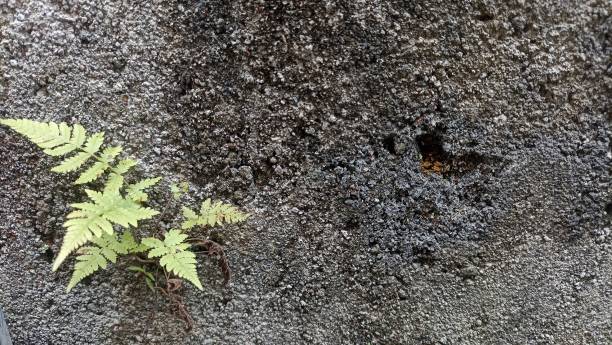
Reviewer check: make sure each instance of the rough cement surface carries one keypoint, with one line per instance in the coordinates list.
(322, 119)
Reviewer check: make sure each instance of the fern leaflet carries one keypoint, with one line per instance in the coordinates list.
(73, 163)
(98, 168)
(178, 190)
(174, 255)
(123, 166)
(212, 214)
(135, 190)
(133, 247)
(92, 258)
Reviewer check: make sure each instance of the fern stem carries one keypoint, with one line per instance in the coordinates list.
(144, 261)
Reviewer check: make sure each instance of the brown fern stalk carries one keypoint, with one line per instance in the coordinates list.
(213, 248)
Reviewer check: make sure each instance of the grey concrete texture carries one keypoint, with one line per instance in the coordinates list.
(323, 119)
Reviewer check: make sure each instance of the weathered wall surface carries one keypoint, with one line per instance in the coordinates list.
(419, 172)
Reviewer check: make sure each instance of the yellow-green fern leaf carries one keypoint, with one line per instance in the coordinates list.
(212, 214)
(45, 135)
(92, 173)
(55, 139)
(135, 190)
(113, 184)
(98, 168)
(93, 219)
(123, 166)
(174, 255)
(111, 243)
(110, 153)
(183, 264)
(36, 132)
(75, 162)
(76, 141)
(59, 134)
(91, 259)
(191, 218)
(94, 143)
(128, 213)
(87, 263)
(178, 190)
(72, 163)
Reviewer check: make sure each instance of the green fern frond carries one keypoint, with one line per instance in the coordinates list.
(93, 219)
(87, 263)
(98, 168)
(76, 141)
(135, 191)
(110, 153)
(110, 246)
(55, 139)
(61, 139)
(92, 173)
(113, 184)
(72, 163)
(75, 162)
(115, 179)
(92, 258)
(94, 143)
(174, 255)
(213, 214)
(123, 166)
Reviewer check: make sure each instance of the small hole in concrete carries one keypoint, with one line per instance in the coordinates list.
(389, 143)
(433, 157)
(485, 15)
(48, 255)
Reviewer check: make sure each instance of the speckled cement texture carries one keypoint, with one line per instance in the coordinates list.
(419, 172)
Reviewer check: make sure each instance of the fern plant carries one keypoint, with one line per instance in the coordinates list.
(99, 228)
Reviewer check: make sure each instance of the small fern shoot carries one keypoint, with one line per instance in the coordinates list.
(212, 214)
(173, 253)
